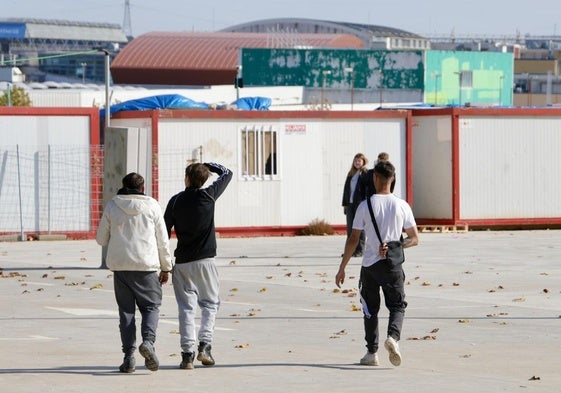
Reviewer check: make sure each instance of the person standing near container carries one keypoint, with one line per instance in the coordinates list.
(133, 229)
(353, 194)
(195, 277)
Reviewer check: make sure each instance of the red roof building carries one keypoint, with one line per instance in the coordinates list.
(203, 59)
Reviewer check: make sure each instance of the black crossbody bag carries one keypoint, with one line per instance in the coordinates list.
(395, 255)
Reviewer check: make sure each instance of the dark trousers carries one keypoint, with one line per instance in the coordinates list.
(391, 282)
(142, 289)
(350, 212)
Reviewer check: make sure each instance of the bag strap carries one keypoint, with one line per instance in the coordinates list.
(374, 219)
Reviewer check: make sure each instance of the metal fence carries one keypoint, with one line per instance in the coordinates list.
(50, 189)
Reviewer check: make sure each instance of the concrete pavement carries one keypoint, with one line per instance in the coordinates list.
(484, 315)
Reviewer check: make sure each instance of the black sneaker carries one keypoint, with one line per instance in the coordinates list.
(151, 362)
(204, 356)
(128, 365)
(187, 360)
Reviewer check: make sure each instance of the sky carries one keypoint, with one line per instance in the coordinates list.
(426, 18)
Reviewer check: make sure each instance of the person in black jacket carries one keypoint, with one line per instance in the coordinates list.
(195, 277)
(353, 194)
(368, 182)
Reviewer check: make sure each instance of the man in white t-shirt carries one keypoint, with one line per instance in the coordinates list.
(393, 215)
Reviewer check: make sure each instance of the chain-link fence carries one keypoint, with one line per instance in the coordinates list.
(50, 189)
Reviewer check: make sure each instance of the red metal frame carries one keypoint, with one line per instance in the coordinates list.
(95, 185)
(456, 114)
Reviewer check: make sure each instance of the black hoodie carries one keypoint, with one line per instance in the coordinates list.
(191, 214)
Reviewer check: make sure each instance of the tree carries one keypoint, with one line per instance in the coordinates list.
(18, 97)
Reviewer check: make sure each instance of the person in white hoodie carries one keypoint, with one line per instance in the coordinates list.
(133, 229)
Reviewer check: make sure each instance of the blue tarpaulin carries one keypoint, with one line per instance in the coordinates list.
(166, 101)
(253, 103)
(177, 101)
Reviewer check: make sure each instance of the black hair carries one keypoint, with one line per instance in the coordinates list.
(133, 181)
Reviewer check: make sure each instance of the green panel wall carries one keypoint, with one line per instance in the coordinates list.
(316, 68)
(491, 83)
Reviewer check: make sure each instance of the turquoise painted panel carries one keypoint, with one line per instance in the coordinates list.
(329, 68)
(492, 78)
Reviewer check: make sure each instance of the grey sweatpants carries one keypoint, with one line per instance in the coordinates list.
(142, 289)
(196, 284)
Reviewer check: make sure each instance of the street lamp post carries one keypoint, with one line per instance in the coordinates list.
(350, 70)
(381, 87)
(501, 83)
(238, 79)
(459, 87)
(84, 65)
(107, 77)
(323, 84)
(436, 75)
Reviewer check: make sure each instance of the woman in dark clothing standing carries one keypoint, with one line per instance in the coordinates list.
(353, 194)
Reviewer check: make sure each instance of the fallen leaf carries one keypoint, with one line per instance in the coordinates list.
(263, 290)
(288, 274)
(463, 320)
(545, 290)
(354, 307)
(97, 286)
(435, 330)
(242, 346)
(60, 278)
(426, 284)
(268, 277)
(534, 378)
(45, 275)
(519, 299)
(232, 263)
(456, 284)
(234, 290)
(336, 290)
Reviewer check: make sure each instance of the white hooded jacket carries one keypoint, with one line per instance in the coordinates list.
(133, 229)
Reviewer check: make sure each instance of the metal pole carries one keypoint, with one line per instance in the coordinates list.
(49, 189)
(381, 87)
(107, 103)
(22, 235)
(9, 93)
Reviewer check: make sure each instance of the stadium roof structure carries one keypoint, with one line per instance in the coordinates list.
(204, 59)
(367, 33)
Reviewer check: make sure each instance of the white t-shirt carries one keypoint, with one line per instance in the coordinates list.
(392, 216)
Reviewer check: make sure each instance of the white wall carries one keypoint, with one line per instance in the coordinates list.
(313, 163)
(509, 167)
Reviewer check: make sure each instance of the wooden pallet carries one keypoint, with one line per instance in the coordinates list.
(442, 228)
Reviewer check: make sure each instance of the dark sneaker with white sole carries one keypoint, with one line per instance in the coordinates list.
(128, 365)
(147, 351)
(204, 356)
(187, 360)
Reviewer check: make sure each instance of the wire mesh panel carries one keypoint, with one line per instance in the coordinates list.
(49, 188)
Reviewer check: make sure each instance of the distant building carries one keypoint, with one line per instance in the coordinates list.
(40, 47)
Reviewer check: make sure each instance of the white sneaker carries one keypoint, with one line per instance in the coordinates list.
(370, 359)
(393, 348)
